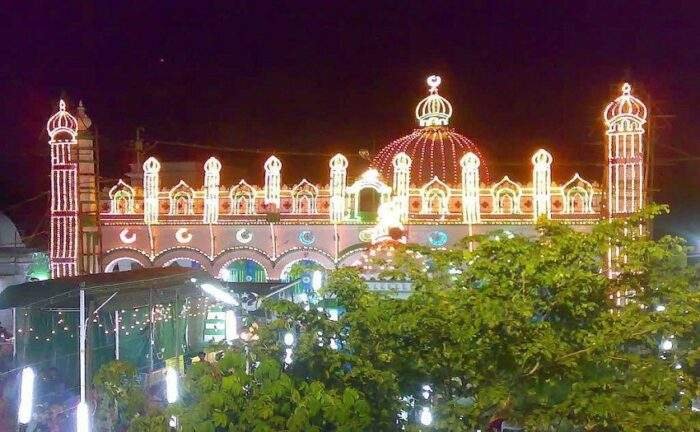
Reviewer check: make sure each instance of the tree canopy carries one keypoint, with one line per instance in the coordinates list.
(527, 330)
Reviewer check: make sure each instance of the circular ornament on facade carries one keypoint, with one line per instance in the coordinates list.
(366, 235)
(307, 238)
(244, 236)
(126, 236)
(437, 238)
(183, 236)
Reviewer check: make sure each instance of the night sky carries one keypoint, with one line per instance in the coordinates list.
(343, 76)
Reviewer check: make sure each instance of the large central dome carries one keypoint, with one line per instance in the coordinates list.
(434, 148)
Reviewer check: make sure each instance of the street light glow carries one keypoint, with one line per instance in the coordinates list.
(24, 413)
(316, 280)
(219, 294)
(426, 417)
(171, 391)
(82, 417)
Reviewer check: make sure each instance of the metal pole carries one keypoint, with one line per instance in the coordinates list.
(116, 334)
(83, 332)
(176, 317)
(14, 335)
(152, 325)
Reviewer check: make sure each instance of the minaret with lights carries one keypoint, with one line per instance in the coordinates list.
(88, 210)
(625, 118)
(74, 245)
(65, 229)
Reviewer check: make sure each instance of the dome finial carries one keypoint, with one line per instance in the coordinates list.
(434, 82)
(62, 123)
(434, 110)
(625, 106)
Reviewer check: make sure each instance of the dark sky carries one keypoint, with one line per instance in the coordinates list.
(345, 75)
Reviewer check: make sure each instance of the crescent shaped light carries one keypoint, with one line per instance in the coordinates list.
(244, 236)
(183, 236)
(126, 236)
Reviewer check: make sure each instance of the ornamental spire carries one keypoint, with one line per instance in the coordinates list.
(434, 110)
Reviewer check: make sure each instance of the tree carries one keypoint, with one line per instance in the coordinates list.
(500, 327)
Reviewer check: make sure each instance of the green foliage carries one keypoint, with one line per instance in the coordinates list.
(500, 326)
(300, 268)
(223, 397)
(116, 382)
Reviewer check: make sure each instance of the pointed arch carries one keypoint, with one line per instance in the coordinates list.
(181, 199)
(121, 197)
(242, 197)
(578, 195)
(506, 196)
(304, 197)
(435, 196)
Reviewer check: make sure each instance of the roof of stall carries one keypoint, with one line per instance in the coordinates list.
(126, 289)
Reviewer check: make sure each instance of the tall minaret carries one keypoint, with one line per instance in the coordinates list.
(88, 211)
(65, 228)
(625, 118)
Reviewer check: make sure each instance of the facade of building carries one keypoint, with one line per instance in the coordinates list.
(431, 187)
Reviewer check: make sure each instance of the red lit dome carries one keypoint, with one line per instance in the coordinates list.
(435, 149)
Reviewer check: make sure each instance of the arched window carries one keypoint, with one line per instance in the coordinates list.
(366, 195)
(242, 198)
(121, 198)
(578, 196)
(304, 198)
(243, 270)
(435, 196)
(506, 197)
(182, 199)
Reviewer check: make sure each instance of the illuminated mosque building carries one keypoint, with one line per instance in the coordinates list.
(431, 187)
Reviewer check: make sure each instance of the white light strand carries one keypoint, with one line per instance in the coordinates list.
(542, 184)
(338, 165)
(151, 189)
(273, 167)
(402, 180)
(471, 212)
(212, 179)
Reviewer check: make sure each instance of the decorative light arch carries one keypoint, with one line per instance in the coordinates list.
(368, 180)
(506, 189)
(242, 198)
(121, 198)
(131, 254)
(304, 193)
(434, 190)
(168, 256)
(114, 265)
(181, 199)
(242, 253)
(577, 190)
(291, 256)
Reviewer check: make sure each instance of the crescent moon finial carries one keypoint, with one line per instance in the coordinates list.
(434, 82)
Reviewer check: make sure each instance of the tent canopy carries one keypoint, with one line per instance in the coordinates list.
(134, 287)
